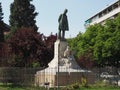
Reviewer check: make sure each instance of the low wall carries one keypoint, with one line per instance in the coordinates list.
(63, 78)
(18, 76)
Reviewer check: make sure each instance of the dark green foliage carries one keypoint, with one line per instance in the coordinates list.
(22, 15)
(1, 25)
(1, 14)
(1, 32)
(1, 36)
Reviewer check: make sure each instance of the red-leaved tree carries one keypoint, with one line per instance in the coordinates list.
(5, 54)
(86, 61)
(49, 41)
(29, 48)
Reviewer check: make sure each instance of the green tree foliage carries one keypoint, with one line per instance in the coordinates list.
(74, 44)
(1, 25)
(99, 45)
(22, 15)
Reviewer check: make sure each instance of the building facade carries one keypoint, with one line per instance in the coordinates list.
(109, 12)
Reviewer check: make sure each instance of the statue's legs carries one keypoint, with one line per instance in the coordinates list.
(59, 34)
(63, 35)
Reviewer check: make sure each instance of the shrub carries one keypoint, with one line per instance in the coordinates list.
(84, 81)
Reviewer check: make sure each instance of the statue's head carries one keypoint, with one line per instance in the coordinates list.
(65, 11)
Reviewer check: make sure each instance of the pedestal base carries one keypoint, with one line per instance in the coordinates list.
(64, 77)
(62, 70)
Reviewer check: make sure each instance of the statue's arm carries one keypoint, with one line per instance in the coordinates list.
(59, 18)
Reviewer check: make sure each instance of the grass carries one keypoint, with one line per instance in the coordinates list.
(81, 88)
(100, 88)
(19, 88)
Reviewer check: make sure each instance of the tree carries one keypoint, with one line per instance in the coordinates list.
(28, 49)
(1, 25)
(100, 43)
(22, 15)
(1, 14)
(5, 54)
(86, 60)
(49, 41)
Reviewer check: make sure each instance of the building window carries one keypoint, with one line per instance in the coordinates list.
(100, 15)
(115, 5)
(109, 9)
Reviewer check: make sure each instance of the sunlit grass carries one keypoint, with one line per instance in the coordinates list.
(3, 87)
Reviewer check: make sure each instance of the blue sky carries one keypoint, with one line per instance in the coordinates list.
(49, 11)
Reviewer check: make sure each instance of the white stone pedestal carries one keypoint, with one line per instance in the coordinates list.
(62, 70)
(65, 62)
(59, 48)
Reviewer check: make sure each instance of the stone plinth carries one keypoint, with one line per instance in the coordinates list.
(64, 77)
(60, 50)
(62, 70)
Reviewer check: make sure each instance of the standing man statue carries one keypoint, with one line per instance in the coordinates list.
(63, 25)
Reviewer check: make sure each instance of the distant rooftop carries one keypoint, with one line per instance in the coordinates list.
(107, 6)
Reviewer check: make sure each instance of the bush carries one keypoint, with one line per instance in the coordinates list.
(84, 81)
(74, 86)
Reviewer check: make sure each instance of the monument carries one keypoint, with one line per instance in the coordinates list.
(63, 25)
(63, 69)
(63, 56)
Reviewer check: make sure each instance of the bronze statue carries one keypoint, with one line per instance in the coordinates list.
(63, 25)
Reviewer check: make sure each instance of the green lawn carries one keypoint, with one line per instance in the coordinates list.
(18, 88)
(82, 88)
(101, 88)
